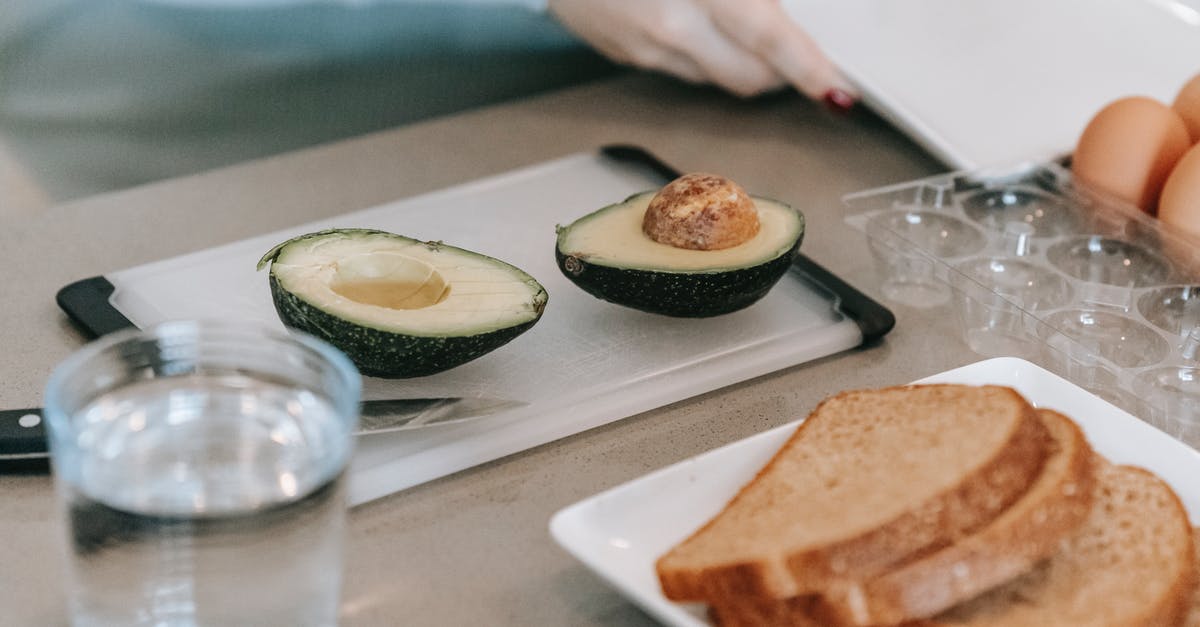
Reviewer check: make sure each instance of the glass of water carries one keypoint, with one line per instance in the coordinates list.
(200, 467)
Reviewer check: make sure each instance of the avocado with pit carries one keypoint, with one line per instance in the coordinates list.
(623, 255)
(400, 307)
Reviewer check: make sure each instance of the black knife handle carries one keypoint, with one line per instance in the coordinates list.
(22, 434)
(86, 302)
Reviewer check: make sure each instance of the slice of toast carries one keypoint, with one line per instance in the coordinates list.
(869, 480)
(1030, 530)
(1027, 532)
(1131, 563)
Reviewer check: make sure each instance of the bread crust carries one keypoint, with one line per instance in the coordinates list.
(1193, 612)
(985, 490)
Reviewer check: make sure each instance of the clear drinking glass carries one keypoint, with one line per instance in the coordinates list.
(199, 467)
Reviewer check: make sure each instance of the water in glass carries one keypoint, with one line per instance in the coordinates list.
(206, 500)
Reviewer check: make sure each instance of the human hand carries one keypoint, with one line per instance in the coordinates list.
(745, 46)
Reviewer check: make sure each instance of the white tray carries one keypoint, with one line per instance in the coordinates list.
(584, 364)
(621, 532)
(992, 83)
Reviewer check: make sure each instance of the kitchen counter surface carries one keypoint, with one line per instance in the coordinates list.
(473, 548)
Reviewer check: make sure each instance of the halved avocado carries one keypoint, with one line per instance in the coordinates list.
(399, 307)
(607, 254)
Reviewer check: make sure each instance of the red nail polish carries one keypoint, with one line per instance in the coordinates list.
(839, 101)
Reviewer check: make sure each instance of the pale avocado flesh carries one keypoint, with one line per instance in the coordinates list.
(607, 255)
(613, 237)
(397, 306)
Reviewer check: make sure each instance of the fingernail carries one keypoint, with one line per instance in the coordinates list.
(839, 101)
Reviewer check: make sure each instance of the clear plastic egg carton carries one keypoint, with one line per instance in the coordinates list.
(1034, 266)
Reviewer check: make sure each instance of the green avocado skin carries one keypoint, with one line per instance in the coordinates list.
(383, 354)
(678, 294)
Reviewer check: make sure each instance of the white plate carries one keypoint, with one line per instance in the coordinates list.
(621, 532)
(996, 83)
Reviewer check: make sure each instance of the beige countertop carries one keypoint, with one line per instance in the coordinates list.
(473, 548)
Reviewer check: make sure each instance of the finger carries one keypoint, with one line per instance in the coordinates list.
(726, 63)
(653, 56)
(640, 43)
(765, 29)
(681, 40)
(682, 66)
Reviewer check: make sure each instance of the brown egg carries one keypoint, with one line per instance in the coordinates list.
(701, 212)
(1129, 148)
(1179, 206)
(1187, 105)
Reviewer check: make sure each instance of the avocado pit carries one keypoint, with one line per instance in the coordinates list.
(701, 211)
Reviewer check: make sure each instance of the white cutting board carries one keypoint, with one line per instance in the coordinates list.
(585, 363)
(986, 83)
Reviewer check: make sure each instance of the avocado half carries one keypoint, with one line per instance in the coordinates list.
(399, 307)
(607, 254)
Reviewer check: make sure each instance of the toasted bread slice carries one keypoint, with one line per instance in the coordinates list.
(1131, 563)
(1193, 615)
(871, 479)
(1030, 530)
(751, 612)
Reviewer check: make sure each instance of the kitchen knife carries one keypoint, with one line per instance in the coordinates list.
(23, 435)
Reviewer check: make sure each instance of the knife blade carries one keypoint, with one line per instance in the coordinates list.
(23, 434)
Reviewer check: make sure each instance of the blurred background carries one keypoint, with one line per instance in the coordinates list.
(99, 95)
